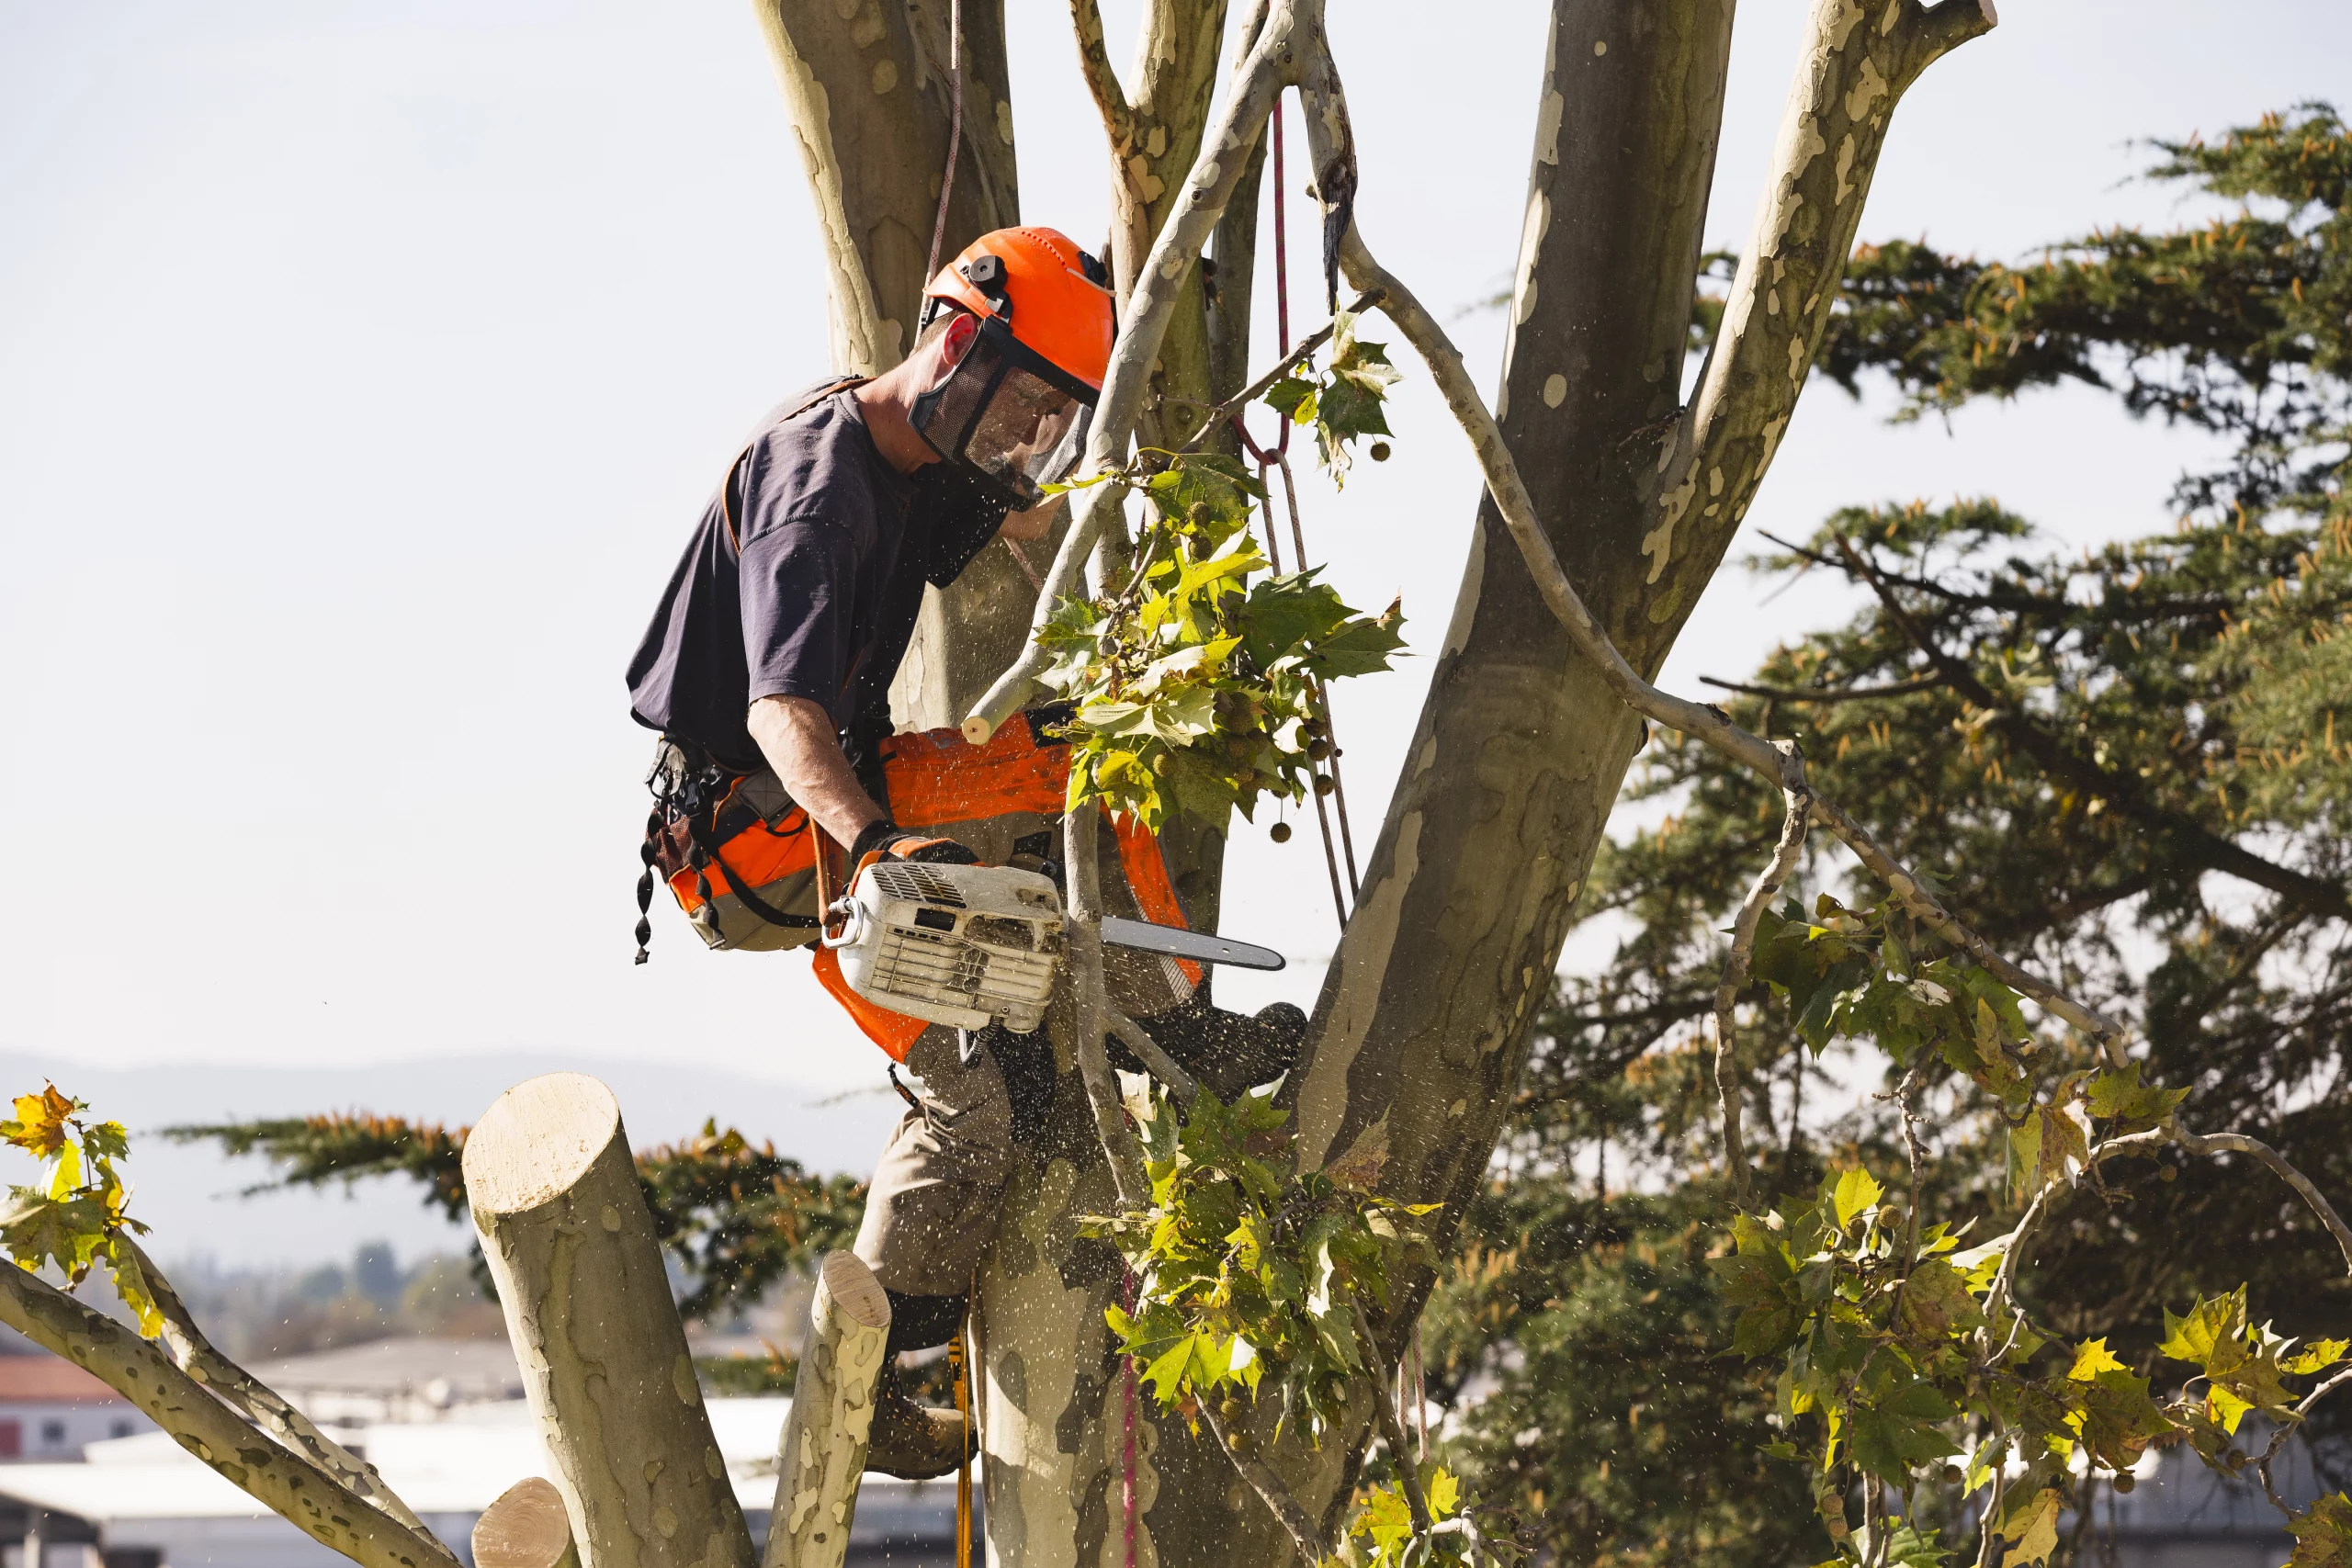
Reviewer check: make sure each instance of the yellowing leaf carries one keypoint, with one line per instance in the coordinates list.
(40, 1124)
(2092, 1358)
(1857, 1191)
(2033, 1530)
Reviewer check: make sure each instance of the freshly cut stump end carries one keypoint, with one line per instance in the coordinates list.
(526, 1527)
(569, 1242)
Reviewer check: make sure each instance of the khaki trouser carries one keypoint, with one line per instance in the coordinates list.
(933, 1209)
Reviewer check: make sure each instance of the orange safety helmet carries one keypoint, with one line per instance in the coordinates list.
(1054, 297)
(1015, 410)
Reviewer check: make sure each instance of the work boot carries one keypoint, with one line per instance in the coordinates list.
(915, 1442)
(1229, 1053)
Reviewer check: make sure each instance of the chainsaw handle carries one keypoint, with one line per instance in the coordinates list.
(852, 918)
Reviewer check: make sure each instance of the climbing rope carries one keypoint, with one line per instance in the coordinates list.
(955, 130)
(1267, 461)
(957, 1364)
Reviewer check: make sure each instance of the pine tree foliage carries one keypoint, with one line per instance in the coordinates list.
(737, 1217)
(2135, 765)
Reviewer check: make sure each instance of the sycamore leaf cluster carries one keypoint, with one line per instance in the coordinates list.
(74, 1218)
(1247, 1277)
(1379, 1532)
(1198, 684)
(1348, 400)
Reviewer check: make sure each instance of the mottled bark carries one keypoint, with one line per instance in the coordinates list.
(821, 1455)
(1424, 1021)
(569, 1243)
(866, 82)
(292, 1484)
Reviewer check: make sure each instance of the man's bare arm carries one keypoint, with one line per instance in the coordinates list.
(1034, 524)
(797, 737)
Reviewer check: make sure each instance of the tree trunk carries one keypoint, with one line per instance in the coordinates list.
(1426, 1014)
(569, 1244)
(867, 85)
(821, 1455)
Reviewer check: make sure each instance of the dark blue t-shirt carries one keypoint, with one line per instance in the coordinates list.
(803, 580)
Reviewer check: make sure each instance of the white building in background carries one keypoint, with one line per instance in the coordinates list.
(443, 1422)
(49, 1409)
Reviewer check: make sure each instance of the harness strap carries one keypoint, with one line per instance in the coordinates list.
(727, 488)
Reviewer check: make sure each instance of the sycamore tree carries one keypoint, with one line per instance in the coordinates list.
(2126, 763)
(1260, 1267)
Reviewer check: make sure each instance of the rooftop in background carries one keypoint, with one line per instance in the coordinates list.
(400, 1379)
(46, 1380)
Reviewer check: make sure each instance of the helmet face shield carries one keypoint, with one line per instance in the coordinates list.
(1008, 416)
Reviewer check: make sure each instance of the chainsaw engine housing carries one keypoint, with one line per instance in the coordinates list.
(963, 945)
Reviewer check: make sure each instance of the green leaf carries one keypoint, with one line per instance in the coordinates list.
(1902, 1428)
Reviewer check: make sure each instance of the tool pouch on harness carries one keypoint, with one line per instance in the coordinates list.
(739, 857)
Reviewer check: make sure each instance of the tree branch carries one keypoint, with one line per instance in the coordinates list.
(1852, 69)
(259, 1403)
(1282, 367)
(1102, 79)
(1080, 829)
(2238, 1143)
(1706, 724)
(1159, 1062)
(288, 1482)
(1270, 1489)
(1831, 695)
(1743, 951)
(2060, 762)
(1225, 153)
(1409, 1477)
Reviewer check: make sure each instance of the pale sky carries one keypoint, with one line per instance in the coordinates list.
(363, 368)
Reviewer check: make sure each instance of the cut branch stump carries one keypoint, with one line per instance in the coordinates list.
(526, 1527)
(571, 1245)
(821, 1455)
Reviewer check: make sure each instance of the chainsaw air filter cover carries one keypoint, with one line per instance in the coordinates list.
(962, 945)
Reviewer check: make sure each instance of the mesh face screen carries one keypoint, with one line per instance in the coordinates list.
(1020, 431)
(1004, 419)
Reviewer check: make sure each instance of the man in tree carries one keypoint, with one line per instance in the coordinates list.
(767, 670)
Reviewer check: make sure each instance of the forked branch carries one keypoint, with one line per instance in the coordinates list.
(317, 1501)
(257, 1402)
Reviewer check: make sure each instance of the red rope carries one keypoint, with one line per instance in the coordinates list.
(1128, 1500)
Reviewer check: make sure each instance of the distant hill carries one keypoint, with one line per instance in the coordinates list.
(189, 1194)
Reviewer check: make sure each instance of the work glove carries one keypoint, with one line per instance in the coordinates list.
(894, 842)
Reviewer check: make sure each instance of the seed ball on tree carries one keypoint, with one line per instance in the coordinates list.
(1380, 451)
(2124, 1481)
(1279, 832)
(1954, 1475)
(1323, 784)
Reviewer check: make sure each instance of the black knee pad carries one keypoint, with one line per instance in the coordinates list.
(918, 1323)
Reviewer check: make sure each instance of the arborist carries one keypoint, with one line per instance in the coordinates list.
(767, 672)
